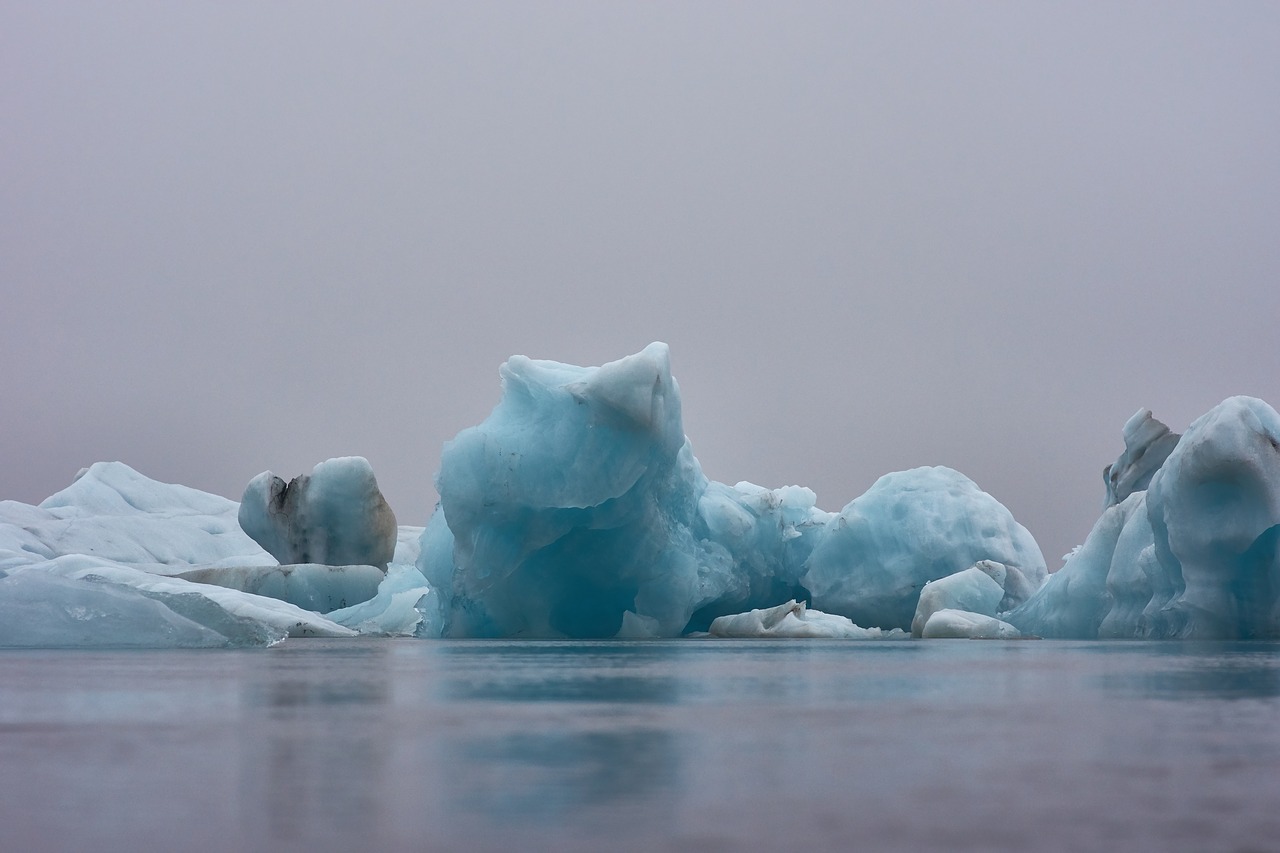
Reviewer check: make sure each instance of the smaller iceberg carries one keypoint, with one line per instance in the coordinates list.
(978, 590)
(966, 625)
(794, 620)
(336, 515)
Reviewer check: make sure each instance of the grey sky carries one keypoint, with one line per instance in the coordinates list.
(240, 236)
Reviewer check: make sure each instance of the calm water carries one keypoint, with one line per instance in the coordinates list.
(687, 745)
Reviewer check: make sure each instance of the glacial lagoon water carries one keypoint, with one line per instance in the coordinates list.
(690, 745)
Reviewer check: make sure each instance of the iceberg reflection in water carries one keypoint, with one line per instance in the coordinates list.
(655, 745)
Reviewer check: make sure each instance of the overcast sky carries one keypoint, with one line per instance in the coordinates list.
(241, 236)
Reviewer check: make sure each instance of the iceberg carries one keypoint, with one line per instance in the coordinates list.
(336, 515)
(1194, 555)
(577, 509)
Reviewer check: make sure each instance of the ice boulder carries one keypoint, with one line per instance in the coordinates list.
(909, 528)
(794, 620)
(1192, 556)
(335, 516)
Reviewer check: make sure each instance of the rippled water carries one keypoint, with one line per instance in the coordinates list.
(666, 745)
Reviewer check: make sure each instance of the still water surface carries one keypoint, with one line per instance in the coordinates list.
(690, 745)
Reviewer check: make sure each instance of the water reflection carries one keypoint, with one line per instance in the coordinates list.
(545, 777)
(317, 731)
(617, 673)
(1224, 671)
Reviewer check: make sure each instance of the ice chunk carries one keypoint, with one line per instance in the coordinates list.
(311, 586)
(336, 515)
(962, 624)
(795, 620)
(1147, 443)
(978, 589)
(909, 528)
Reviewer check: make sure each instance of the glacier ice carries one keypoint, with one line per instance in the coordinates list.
(336, 515)
(577, 509)
(1193, 555)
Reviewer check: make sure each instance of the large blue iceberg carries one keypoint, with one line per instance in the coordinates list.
(577, 509)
